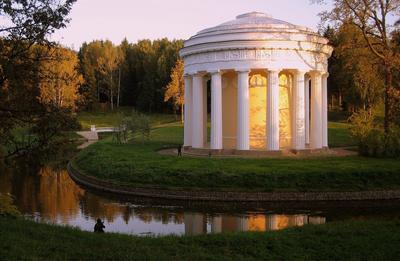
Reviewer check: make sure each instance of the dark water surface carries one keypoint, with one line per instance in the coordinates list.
(48, 194)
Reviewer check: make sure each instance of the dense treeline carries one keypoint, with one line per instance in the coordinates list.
(130, 74)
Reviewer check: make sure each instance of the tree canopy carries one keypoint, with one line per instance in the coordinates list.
(371, 18)
(24, 46)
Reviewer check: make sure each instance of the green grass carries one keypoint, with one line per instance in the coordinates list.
(339, 135)
(109, 118)
(139, 164)
(361, 240)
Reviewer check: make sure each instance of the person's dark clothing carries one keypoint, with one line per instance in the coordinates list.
(179, 150)
(99, 227)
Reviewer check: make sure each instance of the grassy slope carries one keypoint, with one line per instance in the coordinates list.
(139, 164)
(372, 240)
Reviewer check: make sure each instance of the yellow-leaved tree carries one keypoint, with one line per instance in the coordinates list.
(60, 78)
(175, 91)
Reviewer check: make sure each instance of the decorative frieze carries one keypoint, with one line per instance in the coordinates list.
(226, 56)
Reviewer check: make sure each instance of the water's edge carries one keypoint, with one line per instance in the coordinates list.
(96, 184)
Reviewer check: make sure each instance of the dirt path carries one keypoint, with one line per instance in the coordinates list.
(90, 137)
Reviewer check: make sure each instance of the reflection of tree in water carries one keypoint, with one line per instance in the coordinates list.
(58, 195)
(164, 215)
(98, 207)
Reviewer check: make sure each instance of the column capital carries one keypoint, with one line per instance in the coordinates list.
(275, 70)
(303, 72)
(213, 72)
(199, 74)
(315, 73)
(242, 70)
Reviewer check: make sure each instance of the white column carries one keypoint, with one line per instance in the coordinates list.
(205, 114)
(298, 116)
(273, 111)
(216, 111)
(188, 111)
(316, 111)
(197, 112)
(272, 222)
(216, 225)
(307, 108)
(243, 224)
(243, 138)
(325, 111)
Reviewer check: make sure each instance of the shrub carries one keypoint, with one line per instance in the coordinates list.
(129, 127)
(371, 139)
(392, 143)
(7, 208)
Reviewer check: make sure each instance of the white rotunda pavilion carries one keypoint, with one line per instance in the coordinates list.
(264, 82)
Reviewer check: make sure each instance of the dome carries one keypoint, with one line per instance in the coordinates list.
(254, 21)
(250, 27)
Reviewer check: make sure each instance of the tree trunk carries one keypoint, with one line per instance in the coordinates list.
(98, 91)
(388, 88)
(111, 92)
(119, 86)
(182, 116)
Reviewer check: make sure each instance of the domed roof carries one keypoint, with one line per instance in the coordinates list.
(254, 21)
(255, 40)
(249, 30)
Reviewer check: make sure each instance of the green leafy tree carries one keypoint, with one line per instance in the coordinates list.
(371, 18)
(90, 90)
(355, 73)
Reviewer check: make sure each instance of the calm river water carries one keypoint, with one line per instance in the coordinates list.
(48, 194)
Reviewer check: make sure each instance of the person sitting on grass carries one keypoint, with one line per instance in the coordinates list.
(99, 227)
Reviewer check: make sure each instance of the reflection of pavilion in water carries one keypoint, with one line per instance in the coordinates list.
(196, 223)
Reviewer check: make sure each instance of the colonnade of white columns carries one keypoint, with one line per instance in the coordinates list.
(306, 128)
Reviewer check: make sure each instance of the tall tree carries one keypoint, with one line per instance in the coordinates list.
(109, 61)
(355, 71)
(60, 79)
(26, 24)
(90, 90)
(371, 17)
(175, 90)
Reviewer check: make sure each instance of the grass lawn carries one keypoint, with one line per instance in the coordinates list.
(110, 118)
(139, 164)
(361, 240)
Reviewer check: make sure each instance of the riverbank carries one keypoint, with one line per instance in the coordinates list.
(139, 164)
(22, 239)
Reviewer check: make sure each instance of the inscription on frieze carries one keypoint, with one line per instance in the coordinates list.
(223, 56)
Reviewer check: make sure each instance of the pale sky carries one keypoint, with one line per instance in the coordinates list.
(175, 19)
